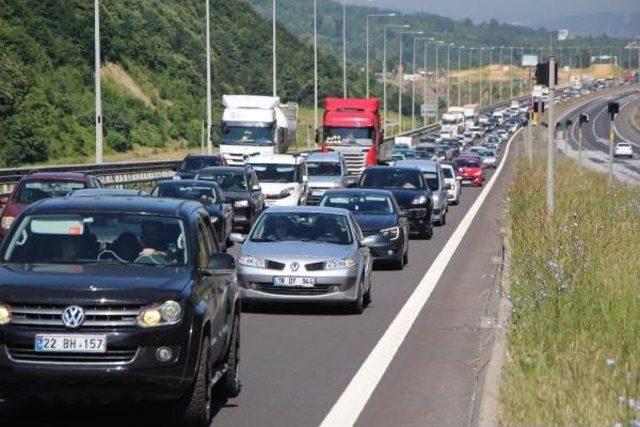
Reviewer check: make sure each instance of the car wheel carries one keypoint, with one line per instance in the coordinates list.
(230, 385)
(357, 307)
(193, 409)
(398, 263)
(443, 219)
(366, 299)
(405, 257)
(427, 230)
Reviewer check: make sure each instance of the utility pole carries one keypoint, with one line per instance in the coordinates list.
(98, 87)
(372, 16)
(511, 75)
(384, 73)
(401, 79)
(209, 121)
(273, 46)
(436, 77)
(426, 75)
(459, 70)
(500, 70)
(344, 49)
(551, 136)
(469, 83)
(448, 75)
(480, 73)
(490, 79)
(315, 66)
(613, 109)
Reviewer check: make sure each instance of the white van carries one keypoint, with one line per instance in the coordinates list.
(283, 178)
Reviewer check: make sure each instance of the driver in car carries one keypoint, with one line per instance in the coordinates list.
(151, 239)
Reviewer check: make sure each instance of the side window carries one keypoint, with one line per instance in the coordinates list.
(214, 241)
(204, 242)
(356, 228)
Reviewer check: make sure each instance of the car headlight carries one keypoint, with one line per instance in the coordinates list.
(419, 200)
(241, 204)
(168, 313)
(391, 233)
(339, 264)
(287, 191)
(6, 222)
(252, 261)
(435, 198)
(5, 314)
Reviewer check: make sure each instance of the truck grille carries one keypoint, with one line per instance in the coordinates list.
(27, 354)
(355, 162)
(234, 159)
(96, 317)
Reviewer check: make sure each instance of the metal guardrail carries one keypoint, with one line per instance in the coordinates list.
(132, 173)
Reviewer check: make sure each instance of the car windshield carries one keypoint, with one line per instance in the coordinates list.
(432, 180)
(324, 169)
(247, 135)
(226, 181)
(361, 204)
(32, 191)
(447, 172)
(302, 227)
(98, 238)
(197, 163)
(391, 178)
(274, 172)
(186, 191)
(338, 135)
(467, 163)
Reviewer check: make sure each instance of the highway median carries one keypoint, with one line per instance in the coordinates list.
(572, 354)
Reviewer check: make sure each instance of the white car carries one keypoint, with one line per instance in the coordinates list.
(283, 178)
(623, 149)
(453, 193)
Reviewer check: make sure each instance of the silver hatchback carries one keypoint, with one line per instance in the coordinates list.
(306, 254)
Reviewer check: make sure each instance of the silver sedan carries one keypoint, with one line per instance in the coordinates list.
(305, 254)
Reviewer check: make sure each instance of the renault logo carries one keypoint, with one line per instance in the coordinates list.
(295, 266)
(73, 316)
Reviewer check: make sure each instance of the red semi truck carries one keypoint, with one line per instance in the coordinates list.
(352, 126)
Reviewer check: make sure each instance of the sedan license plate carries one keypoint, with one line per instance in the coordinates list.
(302, 282)
(466, 181)
(71, 343)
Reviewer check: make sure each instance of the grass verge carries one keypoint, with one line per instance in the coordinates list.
(573, 345)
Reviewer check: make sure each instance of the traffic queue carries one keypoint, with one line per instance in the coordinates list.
(138, 290)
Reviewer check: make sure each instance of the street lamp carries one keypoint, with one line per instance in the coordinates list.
(426, 51)
(500, 70)
(273, 44)
(315, 65)
(490, 77)
(448, 74)
(98, 88)
(471, 49)
(384, 70)
(373, 16)
(344, 49)
(480, 76)
(401, 77)
(459, 70)
(413, 81)
(438, 43)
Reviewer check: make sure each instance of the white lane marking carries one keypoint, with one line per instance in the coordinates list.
(347, 409)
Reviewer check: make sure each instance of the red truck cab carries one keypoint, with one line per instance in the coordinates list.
(353, 127)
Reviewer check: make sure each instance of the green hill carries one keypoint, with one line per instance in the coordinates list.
(153, 75)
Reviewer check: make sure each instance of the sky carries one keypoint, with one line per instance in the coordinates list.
(512, 11)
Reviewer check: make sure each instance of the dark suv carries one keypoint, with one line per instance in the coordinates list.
(107, 297)
(411, 191)
(40, 185)
(240, 188)
(193, 163)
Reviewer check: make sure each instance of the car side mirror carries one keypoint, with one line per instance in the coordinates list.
(221, 264)
(256, 188)
(368, 241)
(237, 237)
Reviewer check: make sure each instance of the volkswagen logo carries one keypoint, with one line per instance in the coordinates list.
(295, 266)
(73, 316)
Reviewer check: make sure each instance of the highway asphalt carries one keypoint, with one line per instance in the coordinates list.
(296, 361)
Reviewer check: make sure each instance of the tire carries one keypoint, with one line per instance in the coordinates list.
(193, 409)
(426, 231)
(357, 307)
(398, 263)
(366, 298)
(230, 385)
(405, 257)
(443, 220)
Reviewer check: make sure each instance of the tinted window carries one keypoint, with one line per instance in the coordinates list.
(467, 163)
(302, 227)
(32, 191)
(324, 169)
(272, 172)
(447, 172)
(190, 192)
(367, 204)
(226, 181)
(196, 163)
(98, 237)
(391, 178)
(432, 180)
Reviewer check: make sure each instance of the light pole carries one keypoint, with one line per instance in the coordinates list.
(471, 49)
(413, 81)
(384, 71)
(401, 77)
(459, 70)
(315, 66)
(344, 49)
(209, 122)
(500, 69)
(373, 16)
(490, 77)
(511, 74)
(449, 74)
(480, 49)
(273, 46)
(97, 74)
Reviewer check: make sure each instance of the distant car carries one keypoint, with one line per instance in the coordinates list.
(240, 188)
(623, 149)
(193, 163)
(42, 185)
(444, 152)
(378, 215)
(206, 192)
(432, 173)
(411, 191)
(283, 178)
(470, 170)
(119, 192)
(326, 171)
(454, 190)
(488, 156)
(306, 254)
(425, 150)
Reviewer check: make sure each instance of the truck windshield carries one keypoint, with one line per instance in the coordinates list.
(247, 135)
(342, 135)
(449, 121)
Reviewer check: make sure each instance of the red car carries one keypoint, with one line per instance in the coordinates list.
(470, 170)
(41, 185)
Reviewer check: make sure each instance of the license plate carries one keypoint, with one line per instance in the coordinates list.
(318, 192)
(466, 181)
(302, 282)
(71, 343)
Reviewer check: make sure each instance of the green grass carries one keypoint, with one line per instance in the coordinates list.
(576, 300)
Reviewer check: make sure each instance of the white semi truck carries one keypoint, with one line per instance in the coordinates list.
(471, 115)
(452, 121)
(253, 125)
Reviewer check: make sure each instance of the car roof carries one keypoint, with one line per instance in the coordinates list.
(390, 168)
(308, 209)
(318, 156)
(85, 192)
(424, 165)
(276, 158)
(357, 191)
(185, 182)
(225, 169)
(71, 176)
(108, 204)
